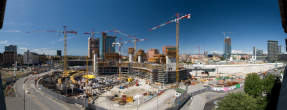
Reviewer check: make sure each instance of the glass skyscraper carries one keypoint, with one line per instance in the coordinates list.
(227, 48)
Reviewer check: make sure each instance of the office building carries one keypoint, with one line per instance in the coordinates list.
(227, 48)
(273, 50)
(59, 53)
(11, 48)
(254, 53)
(93, 47)
(30, 58)
(108, 50)
(9, 55)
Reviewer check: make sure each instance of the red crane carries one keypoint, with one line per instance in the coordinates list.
(176, 20)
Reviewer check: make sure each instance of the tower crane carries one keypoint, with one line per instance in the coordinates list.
(119, 44)
(65, 32)
(176, 20)
(91, 34)
(135, 39)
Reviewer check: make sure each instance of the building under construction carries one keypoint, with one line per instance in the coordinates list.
(158, 68)
(108, 50)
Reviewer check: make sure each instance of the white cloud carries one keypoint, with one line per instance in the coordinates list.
(215, 51)
(4, 42)
(240, 52)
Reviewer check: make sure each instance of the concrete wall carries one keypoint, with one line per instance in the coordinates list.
(238, 68)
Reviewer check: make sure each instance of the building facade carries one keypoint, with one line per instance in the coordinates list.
(107, 46)
(273, 50)
(9, 55)
(93, 46)
(259, 52)
(59, 53)
(227, 48)
(152, 52)
(31, 58)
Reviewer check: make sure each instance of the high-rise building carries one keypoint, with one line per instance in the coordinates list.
(11, 48)
(93, 47)
(10, 55)
(273, 50)
(259, 52)
(227, 48)
(108, 49)
(59, 52)
(254, 53)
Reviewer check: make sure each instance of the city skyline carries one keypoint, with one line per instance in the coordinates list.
(204, 29)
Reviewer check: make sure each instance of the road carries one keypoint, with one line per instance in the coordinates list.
(35, 99)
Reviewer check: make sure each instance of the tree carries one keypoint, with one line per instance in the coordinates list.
(253, 85)
(268, 83)
(238, 101)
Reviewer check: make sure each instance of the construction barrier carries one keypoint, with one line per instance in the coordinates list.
(225, 89)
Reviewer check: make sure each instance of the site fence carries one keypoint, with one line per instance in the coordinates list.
(226, 89)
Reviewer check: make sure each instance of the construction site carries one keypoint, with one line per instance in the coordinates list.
(109, 78)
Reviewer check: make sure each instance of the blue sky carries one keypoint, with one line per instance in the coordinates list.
(252, 23)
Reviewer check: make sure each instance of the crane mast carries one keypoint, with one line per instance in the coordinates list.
(176, 20)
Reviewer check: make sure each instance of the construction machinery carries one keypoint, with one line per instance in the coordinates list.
(176, 20)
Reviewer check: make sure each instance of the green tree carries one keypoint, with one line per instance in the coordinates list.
(253, 85)
(268, 83)
(238, 101)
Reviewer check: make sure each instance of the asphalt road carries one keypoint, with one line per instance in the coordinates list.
(35, 99)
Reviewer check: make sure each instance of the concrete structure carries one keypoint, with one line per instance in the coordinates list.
(152, 52)
(170, 53)
(273, 50)
(93, 47)
(227, 48)
(140, 56)
(31, 58)
(131, 54)
(107, 45)
(254, 53)
(59, 53)
(236, 68)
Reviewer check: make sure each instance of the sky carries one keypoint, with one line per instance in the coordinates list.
(252, 23)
